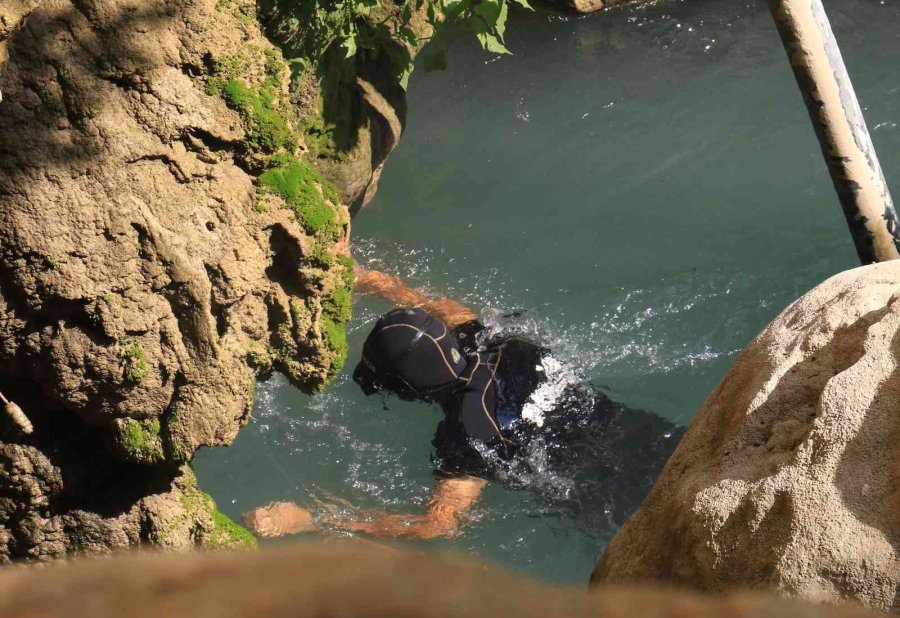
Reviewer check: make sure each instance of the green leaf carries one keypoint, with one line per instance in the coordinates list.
(404, 77)
(300, 62)
(524, 3)
(492, 44)
(489, 11)
(488, 40)
(435, 61)
(501, 20)
(349, 44)
(453, 9)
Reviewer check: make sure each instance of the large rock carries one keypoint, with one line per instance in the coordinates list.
(789, 476)
(334, 580)
(148, 273)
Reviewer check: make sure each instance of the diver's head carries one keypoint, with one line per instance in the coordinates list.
(411, 354)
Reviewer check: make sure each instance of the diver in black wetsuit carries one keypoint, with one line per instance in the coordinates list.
(512, 413)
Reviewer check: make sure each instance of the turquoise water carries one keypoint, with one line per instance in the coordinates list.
(643, 183)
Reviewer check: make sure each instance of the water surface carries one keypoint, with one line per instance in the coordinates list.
(643, 183)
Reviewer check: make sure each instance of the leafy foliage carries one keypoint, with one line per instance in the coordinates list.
(333, 33)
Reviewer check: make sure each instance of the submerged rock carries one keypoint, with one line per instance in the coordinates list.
(789, 476)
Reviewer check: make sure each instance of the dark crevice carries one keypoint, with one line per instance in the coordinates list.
(212, 142)
(286, 259)
(128, 81)
(171, 165)
(218, 309)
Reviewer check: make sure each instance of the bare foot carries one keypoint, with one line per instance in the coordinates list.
(278, 519)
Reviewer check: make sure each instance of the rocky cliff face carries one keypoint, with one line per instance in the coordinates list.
(164, 241)
(789, 476)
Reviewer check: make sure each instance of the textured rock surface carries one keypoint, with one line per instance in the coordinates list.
(146, 277)
(338, 580)
(12, 17)
(12, 14)
(117, 508)
(789, 476)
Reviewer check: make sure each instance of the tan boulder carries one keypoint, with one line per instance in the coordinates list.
(789, 475)
(340, 580)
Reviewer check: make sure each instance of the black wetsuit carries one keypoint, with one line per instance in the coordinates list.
(515, 414)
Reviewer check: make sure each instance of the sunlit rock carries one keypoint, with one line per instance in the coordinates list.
(154, 261)
(789, 476)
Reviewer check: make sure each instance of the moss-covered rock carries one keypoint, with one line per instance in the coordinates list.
(336, 312)
(140, 440)
(135, 359)
(310, 198)
(192, 521)
(226, 534)
(256, 84)
(167, 306)
(267, 128)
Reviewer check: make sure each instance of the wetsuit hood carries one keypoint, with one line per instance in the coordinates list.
(411, 353)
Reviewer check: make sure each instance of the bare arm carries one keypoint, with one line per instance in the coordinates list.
(395, 291)
(451, 499)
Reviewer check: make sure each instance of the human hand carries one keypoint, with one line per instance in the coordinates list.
(279, 519)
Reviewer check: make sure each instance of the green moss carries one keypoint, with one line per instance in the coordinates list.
(305, 193)
(267, 128)
(347, 274)
(336, 312)
(258, 204)
(321, 139)
(138, 370)
(245, 13)
(225, 532)
(260, 360)
(339, 306)
(322, 255)
(267, 124)
(336, 339)
(141, 441)
(208, 527)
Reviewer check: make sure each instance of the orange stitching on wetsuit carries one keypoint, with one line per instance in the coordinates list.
(443, 356)
(477, 363)
(484, 392)
(445, 332)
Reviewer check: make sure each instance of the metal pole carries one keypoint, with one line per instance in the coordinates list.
(840, 127)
